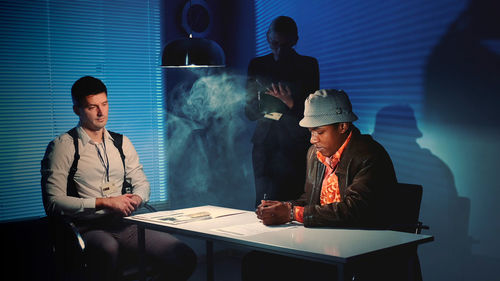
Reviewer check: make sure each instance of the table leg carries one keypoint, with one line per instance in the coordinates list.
(141, 236)
(344, 272)
(210, 260)
(340, 272)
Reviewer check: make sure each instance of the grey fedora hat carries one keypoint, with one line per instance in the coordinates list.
(325, 107)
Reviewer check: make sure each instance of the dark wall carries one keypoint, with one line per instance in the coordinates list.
(447, 139)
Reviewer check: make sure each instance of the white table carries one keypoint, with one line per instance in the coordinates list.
(342, 247)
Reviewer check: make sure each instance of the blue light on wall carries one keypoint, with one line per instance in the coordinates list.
(375, 51)
(423, 79)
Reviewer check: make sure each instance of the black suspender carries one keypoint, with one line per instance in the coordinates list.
(71, 188)
(117, 141)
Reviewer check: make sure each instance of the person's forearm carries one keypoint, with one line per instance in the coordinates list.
(101, 203)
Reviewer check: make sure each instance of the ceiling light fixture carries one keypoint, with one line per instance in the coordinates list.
(192, 51)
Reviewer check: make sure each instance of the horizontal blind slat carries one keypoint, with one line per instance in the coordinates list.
(45, 48)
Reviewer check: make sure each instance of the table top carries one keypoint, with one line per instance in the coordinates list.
(331, 245)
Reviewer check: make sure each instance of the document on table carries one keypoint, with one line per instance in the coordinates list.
(252, 228)
(188, 215)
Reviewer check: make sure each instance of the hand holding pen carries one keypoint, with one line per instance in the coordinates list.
(273, 212)
(265, 202)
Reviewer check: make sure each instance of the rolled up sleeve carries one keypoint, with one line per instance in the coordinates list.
(55, 168)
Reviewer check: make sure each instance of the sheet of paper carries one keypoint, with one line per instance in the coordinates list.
(188, 215)
(274, 115)
(252, 229)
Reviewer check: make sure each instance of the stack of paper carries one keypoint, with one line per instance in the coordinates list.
(188, 215)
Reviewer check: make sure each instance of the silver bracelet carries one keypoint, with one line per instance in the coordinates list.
(292, 215)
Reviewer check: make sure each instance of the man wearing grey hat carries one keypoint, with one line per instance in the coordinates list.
(349, 177)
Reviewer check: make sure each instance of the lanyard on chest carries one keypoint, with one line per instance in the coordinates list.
(105, 164)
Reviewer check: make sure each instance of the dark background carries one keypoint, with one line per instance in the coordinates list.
(424, 79)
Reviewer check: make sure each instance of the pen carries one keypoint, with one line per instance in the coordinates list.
(264, 203)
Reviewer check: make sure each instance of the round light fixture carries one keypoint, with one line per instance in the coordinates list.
(194, 51)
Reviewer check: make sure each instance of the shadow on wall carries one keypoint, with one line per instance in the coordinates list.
(462, 84)
(462, 95)
(208, 147)
(442, 209)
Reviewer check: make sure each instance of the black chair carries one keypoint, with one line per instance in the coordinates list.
(68, 248)
(405, 208)
(405, 213)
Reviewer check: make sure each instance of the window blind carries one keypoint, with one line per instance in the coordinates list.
(374, 50)
(46, 46)
(377, 52)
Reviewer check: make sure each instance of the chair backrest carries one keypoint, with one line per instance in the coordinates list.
(405, 208)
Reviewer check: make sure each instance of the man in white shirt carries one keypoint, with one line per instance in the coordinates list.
(94, 195)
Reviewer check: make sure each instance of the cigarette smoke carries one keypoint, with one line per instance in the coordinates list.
(209, 148)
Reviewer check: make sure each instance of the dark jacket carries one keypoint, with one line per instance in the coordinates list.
(366, 176)
(301, 74)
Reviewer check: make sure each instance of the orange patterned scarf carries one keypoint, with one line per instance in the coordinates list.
(330, 188)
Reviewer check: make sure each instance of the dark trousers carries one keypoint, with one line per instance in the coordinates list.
(111, 245)
(279, 170)
(263, 266)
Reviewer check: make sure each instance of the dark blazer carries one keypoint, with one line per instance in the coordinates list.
(300, 73)
(366, 176)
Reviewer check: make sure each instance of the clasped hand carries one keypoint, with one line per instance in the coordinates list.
(273, 212)
(124, 204)
(281, 92)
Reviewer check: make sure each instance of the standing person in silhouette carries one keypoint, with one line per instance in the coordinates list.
(277, 86)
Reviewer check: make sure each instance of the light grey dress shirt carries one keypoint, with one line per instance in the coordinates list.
(91, 174)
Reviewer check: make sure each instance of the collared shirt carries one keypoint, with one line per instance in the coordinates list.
(330, 192)
(91, 173)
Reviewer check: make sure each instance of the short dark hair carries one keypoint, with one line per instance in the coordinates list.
(285, 25)
(86, 86)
